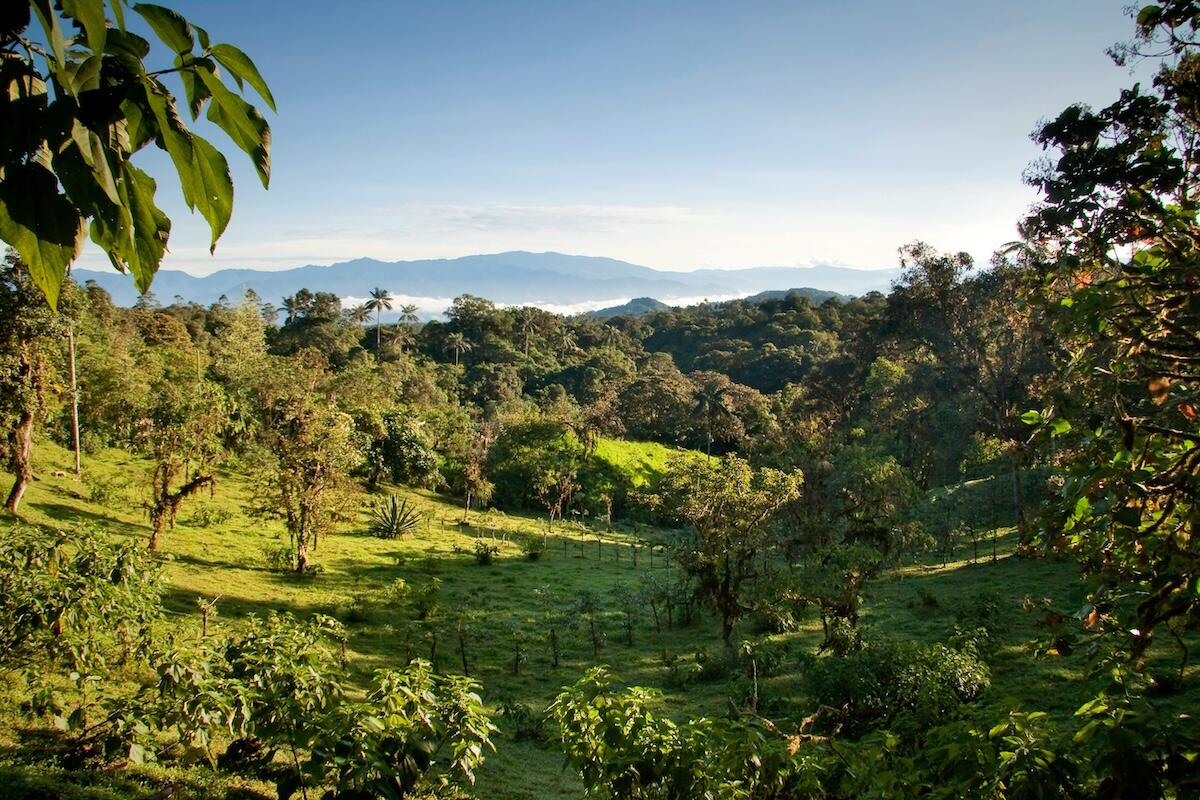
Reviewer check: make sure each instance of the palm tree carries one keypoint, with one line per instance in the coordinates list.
(380, 299)
(527, 321)
(292, 308)
(712, 404)
(566, 342)
(408, 314)
(610, 336)
(459, 344)
(400, 336)
(360, 314)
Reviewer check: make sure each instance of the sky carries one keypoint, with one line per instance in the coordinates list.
(676, 135)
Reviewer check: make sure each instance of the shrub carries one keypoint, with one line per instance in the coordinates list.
(881, 682)
(104, 492)
(485, 553)
(525, 723)
(208, 517)
(279, 558)
(74, 598)
(533, 547)
(393, 519)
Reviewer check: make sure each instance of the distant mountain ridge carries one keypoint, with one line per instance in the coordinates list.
(551, 280)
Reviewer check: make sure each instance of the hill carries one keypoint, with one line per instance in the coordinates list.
(551, 280)
(635, 307)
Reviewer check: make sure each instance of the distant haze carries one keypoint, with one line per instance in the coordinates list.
(562, 283)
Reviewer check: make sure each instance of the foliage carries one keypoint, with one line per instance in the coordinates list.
(74, 598)
(399, 449)
(485, 552)
(534, 463)
(312, 450)
(729, 504)
(533, 546)
(891, 683)
(80, 107)
(394, 518)
(623, 750)
(1114, 249)
(29, 335)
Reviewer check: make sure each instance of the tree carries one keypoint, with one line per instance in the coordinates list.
(1115, 246)
(311, 448)
(459, 344)
(983, 334)
(527, 323)
(78, 109)
(729, 504)
(180, 431)
(381, 299)
(28, 334)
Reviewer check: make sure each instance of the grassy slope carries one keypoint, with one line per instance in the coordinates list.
(225, 559)
(643, 460)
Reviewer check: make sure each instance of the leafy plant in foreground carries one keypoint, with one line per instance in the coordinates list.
(394, 518)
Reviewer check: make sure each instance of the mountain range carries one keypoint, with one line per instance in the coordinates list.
(558, 282)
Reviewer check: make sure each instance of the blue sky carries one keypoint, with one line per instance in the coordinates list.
(672, 134)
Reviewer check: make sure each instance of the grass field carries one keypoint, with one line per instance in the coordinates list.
(218, 551)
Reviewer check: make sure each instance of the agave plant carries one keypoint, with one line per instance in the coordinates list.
(394, 518)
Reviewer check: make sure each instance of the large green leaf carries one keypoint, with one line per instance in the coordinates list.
(203, 172)
(168, 25)
(89, 14)
(150, 227)
(85, 172)
(194, 89)
(212, 173)
(242, 122)
(40, 224)
(243, 69)
(50, 25)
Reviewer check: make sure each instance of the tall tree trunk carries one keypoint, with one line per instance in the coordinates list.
(20, 445)
(74, 397)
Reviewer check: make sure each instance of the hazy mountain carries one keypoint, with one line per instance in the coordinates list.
(552, 280)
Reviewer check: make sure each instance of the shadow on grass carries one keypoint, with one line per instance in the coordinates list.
(65, 515)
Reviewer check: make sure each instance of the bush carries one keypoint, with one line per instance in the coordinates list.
(104, 492)
(279, 558)
(74, 598)
(393, 519)
(533, 547)
(208, 517)
(524, 723)
(485, 553)
(881, 682)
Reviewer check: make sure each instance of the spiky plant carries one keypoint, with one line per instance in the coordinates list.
(393, 519)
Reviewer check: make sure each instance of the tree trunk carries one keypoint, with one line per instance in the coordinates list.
(1014, 473)
(166, 502)
(74, 398)
(20, 441)
(301, 554)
